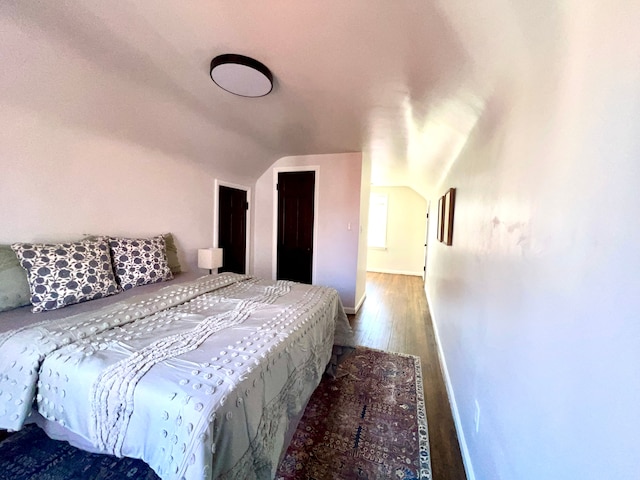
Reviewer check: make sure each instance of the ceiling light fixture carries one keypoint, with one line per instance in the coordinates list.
(241, 75)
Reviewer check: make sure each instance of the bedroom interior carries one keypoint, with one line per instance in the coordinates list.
(111, 124)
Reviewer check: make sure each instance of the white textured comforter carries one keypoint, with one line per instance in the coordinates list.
(199, 380)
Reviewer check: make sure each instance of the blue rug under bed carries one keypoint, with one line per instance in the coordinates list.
(30, 455)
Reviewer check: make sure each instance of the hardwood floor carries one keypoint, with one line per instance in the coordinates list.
(395, 317)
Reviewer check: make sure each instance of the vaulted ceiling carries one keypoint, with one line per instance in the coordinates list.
(403, 81)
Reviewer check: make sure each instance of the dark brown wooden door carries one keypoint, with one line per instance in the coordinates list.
(295, 226)
(232, 229)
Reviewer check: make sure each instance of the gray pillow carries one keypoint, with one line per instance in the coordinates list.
(138, 261)
(64, 273)
(172, 253)
(14, 287)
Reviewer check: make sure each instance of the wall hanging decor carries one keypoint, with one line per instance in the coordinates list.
(446, 204)
(440, 218)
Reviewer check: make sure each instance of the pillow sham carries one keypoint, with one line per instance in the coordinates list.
(139, 261)
(65, 273)
(14, 287)
(172, 253)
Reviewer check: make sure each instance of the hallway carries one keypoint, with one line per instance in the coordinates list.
(395, 317)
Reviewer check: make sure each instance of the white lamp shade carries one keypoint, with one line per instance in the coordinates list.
(209, 258)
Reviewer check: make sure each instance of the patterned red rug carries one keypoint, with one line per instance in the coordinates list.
(369, 423)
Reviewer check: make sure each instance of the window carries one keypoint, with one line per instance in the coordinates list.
(378, 220)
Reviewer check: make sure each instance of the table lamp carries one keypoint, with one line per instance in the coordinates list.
(209, 258)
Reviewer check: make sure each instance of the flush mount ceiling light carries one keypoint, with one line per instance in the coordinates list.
(241, 75)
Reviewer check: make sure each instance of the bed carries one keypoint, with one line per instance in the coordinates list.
(200, 377)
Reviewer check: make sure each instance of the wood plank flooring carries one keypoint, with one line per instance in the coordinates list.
(395, 317)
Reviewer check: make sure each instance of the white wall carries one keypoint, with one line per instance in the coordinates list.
(79, 153)
(536, 303)
(58, 183)
(365, 190)
(338, 208)
(406, 233)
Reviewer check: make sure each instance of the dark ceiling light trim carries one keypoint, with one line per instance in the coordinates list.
(240, 75)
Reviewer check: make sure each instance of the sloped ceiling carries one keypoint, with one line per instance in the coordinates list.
(389, 78)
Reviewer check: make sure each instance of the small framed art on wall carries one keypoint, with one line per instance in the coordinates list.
(446, 205)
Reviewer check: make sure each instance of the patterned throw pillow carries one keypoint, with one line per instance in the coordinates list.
(65, 273)
(138, 261)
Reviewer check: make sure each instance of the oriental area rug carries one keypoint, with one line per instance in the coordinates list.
(368, 423)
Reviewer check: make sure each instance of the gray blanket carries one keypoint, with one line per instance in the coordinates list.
(200, 380)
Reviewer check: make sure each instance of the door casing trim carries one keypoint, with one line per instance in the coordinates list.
(316, 198)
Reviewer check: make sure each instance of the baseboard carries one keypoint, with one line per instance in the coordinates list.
(466, 458)
(396, 272)
(353, 311)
